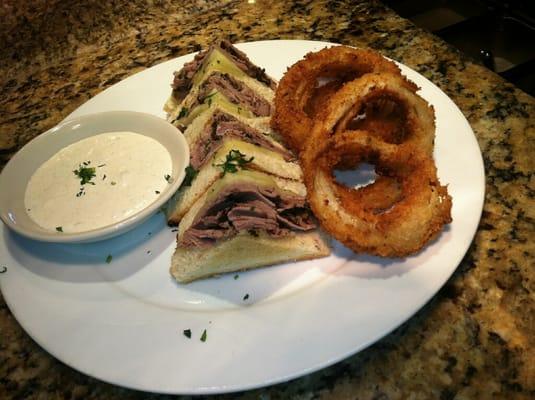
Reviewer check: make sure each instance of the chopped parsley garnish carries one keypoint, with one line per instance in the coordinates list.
(157, 191)
(168, 178)
(187, 333)
(3, 269)
(236, 276)
(81, 192)
(191, 173)
(246, 296)
(203, 336)
(113, 183)
(109, 258)
(101, 165)
(59, 228)
(183, 113)
(235, 160)
(85, 173)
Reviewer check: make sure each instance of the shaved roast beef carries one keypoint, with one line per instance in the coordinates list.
(182, 80)
(246, 207)
(221, 126)
(243, 62)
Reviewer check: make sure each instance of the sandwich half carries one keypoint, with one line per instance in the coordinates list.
(220, 141)
(245, 220)
(222, 76)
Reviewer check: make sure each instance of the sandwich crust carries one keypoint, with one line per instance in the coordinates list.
(235, 254)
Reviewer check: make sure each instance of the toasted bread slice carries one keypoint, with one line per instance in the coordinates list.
(244, 252)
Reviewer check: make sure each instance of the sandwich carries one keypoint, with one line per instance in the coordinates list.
(218, 142)
(245, 220)
(243, 202)
(224, 77)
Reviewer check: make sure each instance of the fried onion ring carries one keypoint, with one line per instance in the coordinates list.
(398, 115)
(308, 85)
(412, 219)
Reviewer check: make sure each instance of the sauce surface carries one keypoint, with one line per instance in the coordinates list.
(97, 181)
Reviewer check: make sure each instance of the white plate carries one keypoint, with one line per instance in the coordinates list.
(17, 173)
(122, 322)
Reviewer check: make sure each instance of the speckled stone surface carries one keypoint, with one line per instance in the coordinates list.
(473, 340)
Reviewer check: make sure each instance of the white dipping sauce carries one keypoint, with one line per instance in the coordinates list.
(130, 172)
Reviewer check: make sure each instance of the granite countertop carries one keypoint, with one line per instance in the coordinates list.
(474, 340)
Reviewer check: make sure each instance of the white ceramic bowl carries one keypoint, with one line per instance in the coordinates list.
(20, 168)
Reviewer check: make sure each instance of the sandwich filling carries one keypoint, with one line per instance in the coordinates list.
(183, 79)
(247, 207)
(224, 126)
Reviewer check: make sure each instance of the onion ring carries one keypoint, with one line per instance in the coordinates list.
(408, 224)
(301, 92)
(386, 96)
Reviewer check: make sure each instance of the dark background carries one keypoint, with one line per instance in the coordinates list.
(501, 35)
